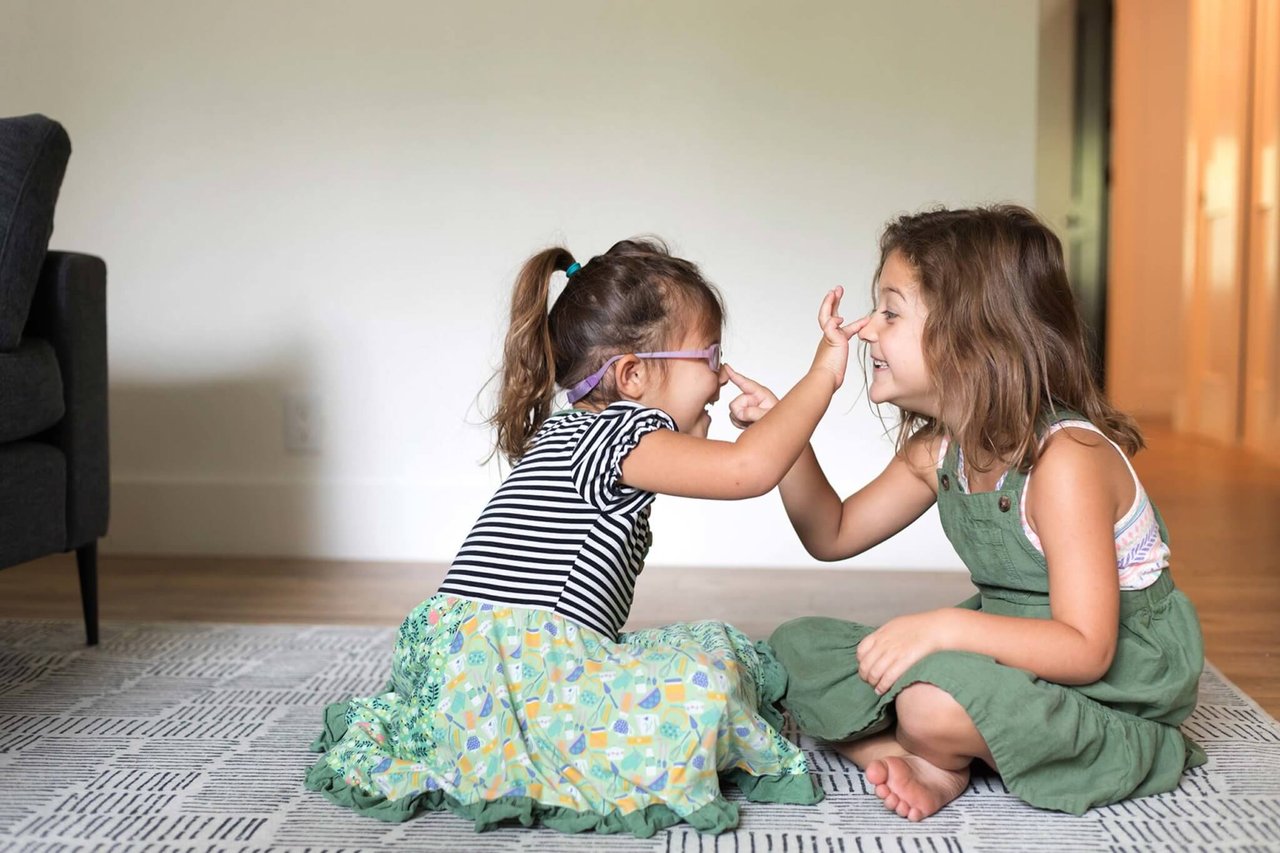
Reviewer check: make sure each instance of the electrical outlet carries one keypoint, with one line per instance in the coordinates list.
(303, 423)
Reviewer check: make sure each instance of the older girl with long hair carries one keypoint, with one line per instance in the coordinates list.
(1072, 668)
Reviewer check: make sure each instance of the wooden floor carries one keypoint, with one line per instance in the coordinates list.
(1222, 507)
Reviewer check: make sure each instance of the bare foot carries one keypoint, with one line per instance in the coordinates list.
(863, 752)
(913, 787)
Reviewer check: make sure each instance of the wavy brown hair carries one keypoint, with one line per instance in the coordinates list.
(1003, 341)
(635, 297)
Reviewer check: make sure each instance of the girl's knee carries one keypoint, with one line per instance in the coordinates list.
(802, 642)
(808, 628)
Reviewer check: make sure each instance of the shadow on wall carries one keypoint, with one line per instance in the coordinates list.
(229, 465)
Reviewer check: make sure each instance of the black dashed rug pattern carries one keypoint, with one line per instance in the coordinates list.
(194, 737)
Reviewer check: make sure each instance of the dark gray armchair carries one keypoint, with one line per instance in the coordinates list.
(54, 477)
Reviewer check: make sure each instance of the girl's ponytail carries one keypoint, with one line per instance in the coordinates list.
(528, 376)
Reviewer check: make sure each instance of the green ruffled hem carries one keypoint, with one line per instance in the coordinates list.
(784, 788)
(715, 817)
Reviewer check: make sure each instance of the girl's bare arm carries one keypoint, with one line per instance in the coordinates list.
(831, 529)
(670, 463)
(1079, 489)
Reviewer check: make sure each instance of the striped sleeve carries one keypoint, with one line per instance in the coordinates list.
(597, 462)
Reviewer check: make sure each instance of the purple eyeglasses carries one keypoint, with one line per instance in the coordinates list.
(583, 388)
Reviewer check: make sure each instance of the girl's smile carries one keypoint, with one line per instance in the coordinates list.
(689, 389)
(894, 337)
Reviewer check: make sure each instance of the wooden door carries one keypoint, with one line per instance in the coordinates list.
(1218, 147)
(1262, 297)
(1149, 205)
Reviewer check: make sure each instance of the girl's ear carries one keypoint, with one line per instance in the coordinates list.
(631, 377)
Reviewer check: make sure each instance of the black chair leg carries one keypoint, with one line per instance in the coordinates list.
(87, 563)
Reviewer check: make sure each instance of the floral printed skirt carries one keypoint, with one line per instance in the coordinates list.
(508, 713)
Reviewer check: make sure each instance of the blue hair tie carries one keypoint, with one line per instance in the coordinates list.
(573, 268)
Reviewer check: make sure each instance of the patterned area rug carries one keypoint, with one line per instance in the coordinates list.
(193, 737)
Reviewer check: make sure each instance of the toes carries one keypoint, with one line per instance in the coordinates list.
(891, 802)
(877, 772)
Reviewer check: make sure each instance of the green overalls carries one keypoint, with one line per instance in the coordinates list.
(1066, 748)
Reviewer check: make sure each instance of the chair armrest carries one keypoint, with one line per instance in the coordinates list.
(70, 311)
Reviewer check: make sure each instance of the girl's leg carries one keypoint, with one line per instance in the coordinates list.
(863, 752)
(936, 743)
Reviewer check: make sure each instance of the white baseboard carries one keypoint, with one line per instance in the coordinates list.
(380, 520)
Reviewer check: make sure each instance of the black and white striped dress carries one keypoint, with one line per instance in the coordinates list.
(562, 533)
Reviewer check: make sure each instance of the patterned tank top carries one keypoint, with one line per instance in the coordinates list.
(1141, 553)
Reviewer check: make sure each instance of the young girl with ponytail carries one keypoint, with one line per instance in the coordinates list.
(514, 693)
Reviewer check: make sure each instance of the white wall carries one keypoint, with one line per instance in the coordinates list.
(333, 198)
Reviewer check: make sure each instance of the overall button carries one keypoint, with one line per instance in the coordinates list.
(946, 482)
(1005, 503)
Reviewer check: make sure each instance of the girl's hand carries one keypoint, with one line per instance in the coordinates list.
(833, 351)
(749, 406)
(889, 651)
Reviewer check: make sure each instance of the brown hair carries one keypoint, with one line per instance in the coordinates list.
(1003, 342)
(635, 297)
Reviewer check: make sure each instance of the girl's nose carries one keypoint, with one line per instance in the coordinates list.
(867, 333)
(723, 376)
